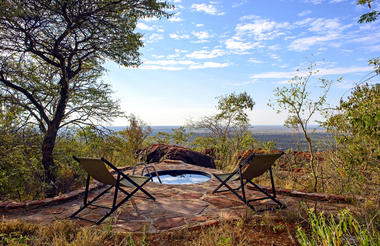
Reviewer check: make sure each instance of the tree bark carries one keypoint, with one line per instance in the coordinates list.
(313, 167)
(48, 143)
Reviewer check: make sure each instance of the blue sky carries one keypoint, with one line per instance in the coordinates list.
(213, 48)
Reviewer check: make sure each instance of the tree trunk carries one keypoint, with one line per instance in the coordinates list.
(313, 168)
(48, 145)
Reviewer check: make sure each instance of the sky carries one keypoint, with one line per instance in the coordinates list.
(209, 49)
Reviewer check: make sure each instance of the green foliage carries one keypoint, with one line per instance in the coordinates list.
(357, 133)
(51, 59)
(20, 174)
(182, 136)
(370, 16)
(343, 230)
(376, 63)
(232, 108)
(228, 129)
(128, 141)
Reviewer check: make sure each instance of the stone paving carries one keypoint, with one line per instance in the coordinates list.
(176, 206)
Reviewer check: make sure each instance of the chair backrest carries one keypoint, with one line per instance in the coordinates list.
(97, 170)
(258, 165)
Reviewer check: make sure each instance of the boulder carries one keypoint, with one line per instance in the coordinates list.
(160, 152)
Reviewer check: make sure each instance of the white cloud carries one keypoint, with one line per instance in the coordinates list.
(199, 25)
(155, 37)
(177, 65)
(209, 65)
(255, 61)
(170, 62)
(158, 56)
(275, 57)
(176, 1)
(205, 54)
(202, 35)
(261, 29)
(336, 1)
(315, 2)
(144, 26)
(303, 22)
(327, 25)
(155, 67)
(326, 29)
(303, 44)
(249, 17)
(208, 9)
(322, 71)
(175, 19)
(180, 51)
(240, 3)
(179, 36)
(238, 46)
(303, 13)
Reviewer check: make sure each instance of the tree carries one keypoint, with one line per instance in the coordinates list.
(296, 99)
(229, 126)
(356, 128)
(132, 139)
(67, 41)
(231, 118)
(370, 16)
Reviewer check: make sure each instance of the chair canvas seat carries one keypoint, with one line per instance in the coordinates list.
(137, 179)
(251, 167)
(96, 168)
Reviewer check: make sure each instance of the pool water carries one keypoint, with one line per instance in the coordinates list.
(180, 176)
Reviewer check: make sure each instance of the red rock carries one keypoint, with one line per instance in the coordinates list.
(199, 218)
(131, 227)
(168, 223)
(34, 203)
(180, 207)
(160, 152)
(221, 202)
(191, 195)
(3, 204)
(13, 205)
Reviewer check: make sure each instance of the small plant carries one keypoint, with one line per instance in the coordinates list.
(343, 230)
(13, 238)
(225, 241)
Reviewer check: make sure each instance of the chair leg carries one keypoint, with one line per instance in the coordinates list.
(268, 196)
(114, 208)
(223, 182)
(230, 189)
(89, 203)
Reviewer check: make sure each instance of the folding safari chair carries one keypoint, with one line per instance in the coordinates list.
(97, 169)
(251, 167)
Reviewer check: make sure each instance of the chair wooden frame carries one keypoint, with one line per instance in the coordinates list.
(122, 179)
(242, 173)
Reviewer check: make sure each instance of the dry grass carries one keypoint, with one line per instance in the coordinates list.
(264, 229)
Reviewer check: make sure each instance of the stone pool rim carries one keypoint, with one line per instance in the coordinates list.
(179, 172)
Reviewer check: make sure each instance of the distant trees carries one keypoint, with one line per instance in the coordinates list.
(297, 101)
(51, 56)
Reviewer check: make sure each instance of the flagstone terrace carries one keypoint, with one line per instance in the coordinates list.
(176, 206)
